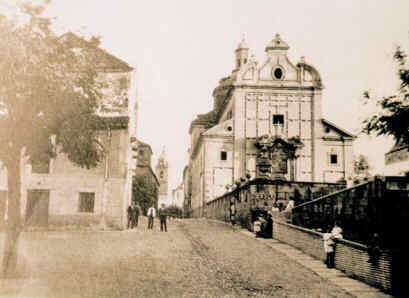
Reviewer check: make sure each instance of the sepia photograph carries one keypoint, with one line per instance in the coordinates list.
(185, 148)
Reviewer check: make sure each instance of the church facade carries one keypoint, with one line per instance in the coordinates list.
(262, 113)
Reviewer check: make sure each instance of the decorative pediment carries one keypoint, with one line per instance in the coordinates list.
(224, 129)
(334, 132)
(278, 68)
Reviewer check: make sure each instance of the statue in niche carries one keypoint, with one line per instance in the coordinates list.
(273, 156)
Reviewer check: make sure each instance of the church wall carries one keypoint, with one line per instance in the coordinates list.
(218, 172)
(239, 129)
(332, 172)
(197, 182)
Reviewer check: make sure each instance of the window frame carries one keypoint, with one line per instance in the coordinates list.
(278, 122)
(38, 166)
(331, 156)
(83, 206)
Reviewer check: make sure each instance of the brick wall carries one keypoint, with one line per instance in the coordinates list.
(350, 257)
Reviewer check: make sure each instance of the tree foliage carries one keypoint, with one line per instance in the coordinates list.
(361, 169)
(174, 211)
(361, 165)
(393, 117)
(47, 89)
(49, 96)
(144, 192)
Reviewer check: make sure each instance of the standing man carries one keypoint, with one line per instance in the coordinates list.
(137, 212)
(130, 216)
(232, 214)
(162, 218)
(151, 215)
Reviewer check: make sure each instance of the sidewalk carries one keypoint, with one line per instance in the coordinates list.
(352, 286)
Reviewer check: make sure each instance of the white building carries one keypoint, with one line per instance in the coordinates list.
(178, 196)
(397, 161)
(273, 99)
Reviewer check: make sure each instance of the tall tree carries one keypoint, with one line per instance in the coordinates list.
(48, 102)
(393, 116)
(144, 192)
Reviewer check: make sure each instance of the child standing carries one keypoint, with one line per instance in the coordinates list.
(329, 248)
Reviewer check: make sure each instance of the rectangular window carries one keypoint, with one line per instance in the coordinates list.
(40, 166)
(334, 159)
(278, 119)
(86, 202)
(223, 155)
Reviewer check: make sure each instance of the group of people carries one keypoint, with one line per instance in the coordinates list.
(329, 235)
(134, 211)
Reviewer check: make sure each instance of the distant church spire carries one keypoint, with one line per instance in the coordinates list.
(163, 154)
(161, 171)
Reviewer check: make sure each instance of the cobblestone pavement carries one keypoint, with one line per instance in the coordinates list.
(195, 258)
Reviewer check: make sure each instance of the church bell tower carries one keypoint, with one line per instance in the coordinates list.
(242, 54)
(161, 171)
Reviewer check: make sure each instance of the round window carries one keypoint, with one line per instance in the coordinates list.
(229, 128)
(278, 73)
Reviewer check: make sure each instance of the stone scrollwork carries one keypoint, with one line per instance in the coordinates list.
(273, 154)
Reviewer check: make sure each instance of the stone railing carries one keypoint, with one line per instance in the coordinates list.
(262, 194)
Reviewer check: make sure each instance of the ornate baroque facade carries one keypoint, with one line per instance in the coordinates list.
(278, 102)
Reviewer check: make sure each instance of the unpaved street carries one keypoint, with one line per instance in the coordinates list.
(196, 258)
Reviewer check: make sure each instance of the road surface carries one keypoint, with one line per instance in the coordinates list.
(195, 258)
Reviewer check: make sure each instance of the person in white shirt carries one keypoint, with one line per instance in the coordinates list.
(151, 216)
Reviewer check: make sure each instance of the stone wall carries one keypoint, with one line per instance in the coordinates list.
(262, 193)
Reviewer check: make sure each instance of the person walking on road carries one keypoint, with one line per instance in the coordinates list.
(137, 212)
(162, 218)
(151, 216)
(130, 216)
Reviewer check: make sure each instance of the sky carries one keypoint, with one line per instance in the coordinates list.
(181, 49)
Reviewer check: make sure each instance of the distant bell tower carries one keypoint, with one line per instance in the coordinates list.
(242, 54)
(161, 171)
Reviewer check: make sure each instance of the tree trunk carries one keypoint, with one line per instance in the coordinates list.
(13, 222)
